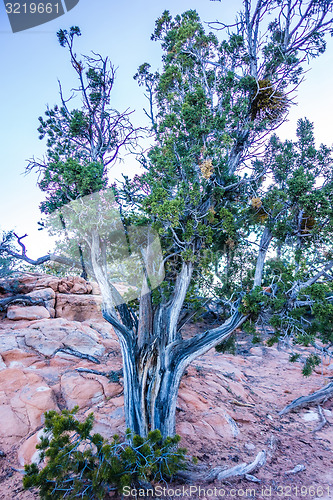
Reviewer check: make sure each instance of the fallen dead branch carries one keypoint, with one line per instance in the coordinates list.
(323, 420)
(273, 443)
(298, 468)
(204, 474)
(251, 478)
(239, 403)
(233, 425)
(317, 397)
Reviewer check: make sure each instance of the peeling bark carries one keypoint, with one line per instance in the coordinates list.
(152, 375)
(154, 353)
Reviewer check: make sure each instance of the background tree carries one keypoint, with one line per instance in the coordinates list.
(211, 107)
(7, 264)
(82, 143)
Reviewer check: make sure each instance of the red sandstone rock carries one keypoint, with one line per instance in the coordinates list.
(16, 358)
(27, 453)
(12, 424)
(24, 397)
(185, 429)
(256, 351)
(110, 389)
(37, 399)
(76, 390)
(48, 295)
(16, 313)
(74, 285)
(30, 282)
(25, 283)
(46, 337)
(192, 399)
(103, 328)
(8, 341)
(79, 307)
(95, 290)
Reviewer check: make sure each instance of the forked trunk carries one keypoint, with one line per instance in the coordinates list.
(154, 353)
(152, 375)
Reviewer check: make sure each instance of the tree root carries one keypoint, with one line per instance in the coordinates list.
(73, 352)
(113, 375)
(205, 474)
(317, 397)
(20, 299)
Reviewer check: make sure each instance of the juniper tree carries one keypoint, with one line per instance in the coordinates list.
(205, 194)
(296, 211)
(82, 143)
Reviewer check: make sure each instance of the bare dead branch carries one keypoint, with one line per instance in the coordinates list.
(113, 375)
(317, 397)
(205, 474)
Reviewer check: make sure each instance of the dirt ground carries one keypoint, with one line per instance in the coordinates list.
(267, 383)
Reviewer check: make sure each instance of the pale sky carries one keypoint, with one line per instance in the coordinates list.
(32, 61)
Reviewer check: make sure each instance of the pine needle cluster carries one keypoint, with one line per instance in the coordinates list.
(81, 464)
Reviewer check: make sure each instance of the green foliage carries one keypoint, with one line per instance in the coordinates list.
(274, 339)
(311, 362)
(199, 114)
(7, 265)
(81, 464)
(64, 36)
(297, 208)
(81, 141)
(68, 180)
(229, 346)
(250, 327)
(300, 202)
(252, 302)
(212, 104)
(294, 357)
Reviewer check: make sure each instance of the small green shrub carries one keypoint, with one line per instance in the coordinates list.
(228, 346)
(294, 357)
(310, 363)
(80, 464)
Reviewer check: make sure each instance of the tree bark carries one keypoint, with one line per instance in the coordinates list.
(152, 373)
(265, 241)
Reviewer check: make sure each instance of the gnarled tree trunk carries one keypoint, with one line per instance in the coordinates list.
(154, 353)
(155, 357)
(153, 372)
